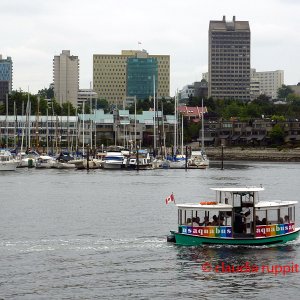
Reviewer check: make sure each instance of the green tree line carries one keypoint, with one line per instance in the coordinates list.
(217, 108)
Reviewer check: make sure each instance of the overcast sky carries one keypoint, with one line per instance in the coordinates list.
(33, 31)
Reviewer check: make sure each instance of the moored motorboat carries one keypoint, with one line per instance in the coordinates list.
(64, 161)
(142, 161)
(236, 217)
(198, 159)
(114, 160)
(7, 161)
(44, 162)
(27, 159)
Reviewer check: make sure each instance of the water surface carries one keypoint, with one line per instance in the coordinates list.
(69, 234)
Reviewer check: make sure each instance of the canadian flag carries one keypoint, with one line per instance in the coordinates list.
(170, 199)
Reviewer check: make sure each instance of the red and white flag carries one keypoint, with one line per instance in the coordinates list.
(171, 198)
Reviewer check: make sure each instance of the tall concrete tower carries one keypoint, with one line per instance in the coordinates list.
(229, 59)
(66, 77)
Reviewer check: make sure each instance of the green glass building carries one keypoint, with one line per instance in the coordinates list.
(140, 76)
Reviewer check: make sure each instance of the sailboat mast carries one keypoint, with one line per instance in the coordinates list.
(202, 129)
(181, 134)
(29, 124)
(163, 129)
(91, 127)
(135, 122)
(77, 131)
(175, 124)
(6, 121)
(37, 123)
(23, 125)
(47, 132)
(154, 120)
(83, 129)
(16, 123)
(68, 130)
(95, 127)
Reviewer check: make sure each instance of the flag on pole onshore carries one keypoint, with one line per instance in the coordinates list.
(171, 198)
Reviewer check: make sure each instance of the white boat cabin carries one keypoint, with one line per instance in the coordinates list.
(237, 212)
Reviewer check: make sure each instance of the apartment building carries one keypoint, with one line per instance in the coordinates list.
(268, 83)
(66, 77)
(229, 59)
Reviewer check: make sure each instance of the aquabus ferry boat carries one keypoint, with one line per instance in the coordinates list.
(236, 217)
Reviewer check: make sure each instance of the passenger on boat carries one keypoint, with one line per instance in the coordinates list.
(258, 221)
(238, 223)
(215, 221)
(195, 223)
(286, 219)
(221, 223)
(205, 222)
(264, 221)
(281, 220)
(189, 222)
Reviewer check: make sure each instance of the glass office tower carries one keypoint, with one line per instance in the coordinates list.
(140, 77)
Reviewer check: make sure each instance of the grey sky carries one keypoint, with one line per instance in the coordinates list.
(33, 31)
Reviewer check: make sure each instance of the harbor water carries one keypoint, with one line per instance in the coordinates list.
(68, 234)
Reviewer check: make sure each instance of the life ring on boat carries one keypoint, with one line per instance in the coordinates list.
(208, 203)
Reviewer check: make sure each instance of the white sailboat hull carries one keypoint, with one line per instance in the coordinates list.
(8, 166)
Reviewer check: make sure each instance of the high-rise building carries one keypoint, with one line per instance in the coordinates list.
(229, 59)
(268, 83)
(6, 68)
(132, 73)
(66, 77)
(141, 77)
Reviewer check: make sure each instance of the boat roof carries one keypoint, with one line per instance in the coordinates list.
(219, 206)
(239, 189)
(224, 207)
(274, 203)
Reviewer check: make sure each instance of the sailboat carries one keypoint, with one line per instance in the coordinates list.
(178, 161)
(199, 158)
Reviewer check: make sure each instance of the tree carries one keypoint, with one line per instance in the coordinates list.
(278, 118)
(277, 134)
(46, 93)
(102, 104)
(284, 91)
(68, 109)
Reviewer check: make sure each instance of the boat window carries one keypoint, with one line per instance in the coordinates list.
(261, 217)
(224, 197)
(225, 218)
(179, 216)
(283, 215)
(188, 216)
(272, 216)
(291, 214)
(243, 199)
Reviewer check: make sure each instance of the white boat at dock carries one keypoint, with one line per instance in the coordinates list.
(7, 161)
(27, 159)
(198, 159)
(115, 160)
(44, 162)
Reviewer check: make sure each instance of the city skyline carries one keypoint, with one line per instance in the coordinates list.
(37, 31)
